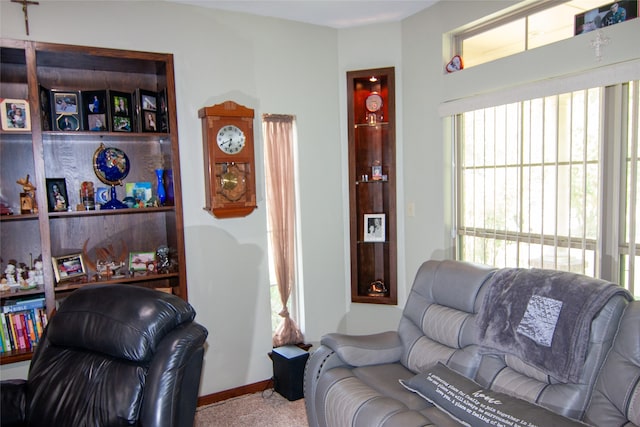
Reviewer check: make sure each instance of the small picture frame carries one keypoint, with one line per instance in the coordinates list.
(45, 108)
(149, 121)
(15, 115)
(163, 112)
(148, 100)
(57, 198)
(102, 195)
(121, 111)
(142, 261)
(65, 102)
(374, 227)
(95, 110)
(376, 172)
(605, 15)
(67, 122)
(68, 267)
(140, 192)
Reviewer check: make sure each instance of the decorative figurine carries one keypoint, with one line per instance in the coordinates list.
(108, 262)
(165, 260)
(377, 288)
(28, 202)
(39, 272)
(10, 273)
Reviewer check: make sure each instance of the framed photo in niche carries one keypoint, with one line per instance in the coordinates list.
(57, 198)
(15, 114)
(374, 227)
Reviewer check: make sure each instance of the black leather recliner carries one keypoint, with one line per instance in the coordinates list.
(112, 355)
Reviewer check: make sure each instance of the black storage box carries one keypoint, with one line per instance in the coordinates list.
(288, 371)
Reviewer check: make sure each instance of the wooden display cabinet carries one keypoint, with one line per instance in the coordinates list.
(41, 153)
(372, 185)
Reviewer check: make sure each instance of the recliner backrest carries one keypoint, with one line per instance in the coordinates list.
(437, 324)
(116, 355)
(616, 396)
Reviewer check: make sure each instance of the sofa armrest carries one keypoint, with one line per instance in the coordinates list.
(12, 402)
(364, 350)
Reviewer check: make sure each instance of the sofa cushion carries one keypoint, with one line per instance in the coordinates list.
(469, 403)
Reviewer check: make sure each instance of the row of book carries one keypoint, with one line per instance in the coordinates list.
(22, 324)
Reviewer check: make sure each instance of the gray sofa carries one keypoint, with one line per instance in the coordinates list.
(483, 346)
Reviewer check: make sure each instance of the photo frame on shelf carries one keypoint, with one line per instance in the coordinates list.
(374, 227)
(376, 172)
(45, 108)
(142, 261)
(147, 110)
(162, 113)
(140, 192)
(65, 102)
(69, 267)
(15, 114)
(605, 15)
(67, 122)
(121, 111)
(57, 197)
(95, 110)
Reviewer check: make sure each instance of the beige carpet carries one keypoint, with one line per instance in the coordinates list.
(266, 409)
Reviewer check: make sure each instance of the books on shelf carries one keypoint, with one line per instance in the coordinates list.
(23, 321)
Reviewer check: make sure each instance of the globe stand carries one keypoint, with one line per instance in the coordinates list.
(114, 203)
(111, 166)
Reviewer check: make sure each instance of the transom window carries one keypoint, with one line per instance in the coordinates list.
(539, 24)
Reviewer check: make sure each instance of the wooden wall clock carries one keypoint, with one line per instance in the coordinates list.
(229, 160)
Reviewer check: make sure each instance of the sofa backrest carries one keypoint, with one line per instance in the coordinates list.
(616, 397)
(527, 374)
(438, 324)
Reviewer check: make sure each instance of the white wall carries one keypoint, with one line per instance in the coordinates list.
(277, 66)
(270, 65)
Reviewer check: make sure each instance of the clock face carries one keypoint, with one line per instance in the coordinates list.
(373, 102)
(231, 139)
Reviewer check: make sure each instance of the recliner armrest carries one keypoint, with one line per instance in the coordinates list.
(364, 350)
(12, 402)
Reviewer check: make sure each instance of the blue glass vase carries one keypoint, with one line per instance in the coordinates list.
(169, 187)
(162, 195)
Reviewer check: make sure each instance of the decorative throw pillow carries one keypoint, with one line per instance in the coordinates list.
(472, 405)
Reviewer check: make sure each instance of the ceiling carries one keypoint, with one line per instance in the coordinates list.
(328, 13)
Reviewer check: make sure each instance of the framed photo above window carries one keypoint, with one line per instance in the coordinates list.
(605, 15)
(374, 227)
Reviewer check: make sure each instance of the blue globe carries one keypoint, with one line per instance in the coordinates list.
(111, 165)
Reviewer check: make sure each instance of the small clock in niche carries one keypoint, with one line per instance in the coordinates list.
(229, 160)
(373, 103)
